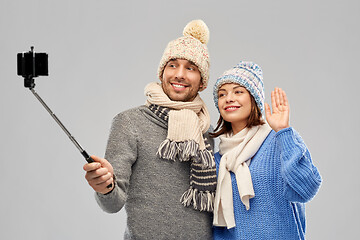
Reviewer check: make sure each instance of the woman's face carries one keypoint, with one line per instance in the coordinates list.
(234, 105)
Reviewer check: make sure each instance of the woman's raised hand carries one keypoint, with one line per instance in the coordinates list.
(279, 118)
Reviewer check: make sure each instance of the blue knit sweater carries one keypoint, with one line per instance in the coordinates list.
(284, 178)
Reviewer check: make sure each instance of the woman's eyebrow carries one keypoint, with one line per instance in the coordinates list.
(238, 87)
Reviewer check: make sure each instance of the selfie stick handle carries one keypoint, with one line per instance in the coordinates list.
(82, 151)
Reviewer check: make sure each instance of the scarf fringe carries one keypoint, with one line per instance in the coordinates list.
(202, 201)
(186, 151)
(168, 150)
(207, 159)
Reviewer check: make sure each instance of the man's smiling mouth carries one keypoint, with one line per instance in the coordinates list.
(179, 86)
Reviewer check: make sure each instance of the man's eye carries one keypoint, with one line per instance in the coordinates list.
(221, 95)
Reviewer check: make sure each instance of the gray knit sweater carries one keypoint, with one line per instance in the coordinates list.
(149, 187)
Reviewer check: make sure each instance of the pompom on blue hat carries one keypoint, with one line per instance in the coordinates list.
(246, 74)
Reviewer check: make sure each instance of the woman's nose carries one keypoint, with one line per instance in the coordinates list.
(229, 97)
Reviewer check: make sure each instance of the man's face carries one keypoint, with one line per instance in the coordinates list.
(181, 80)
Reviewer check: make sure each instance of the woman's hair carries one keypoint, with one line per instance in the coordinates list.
(253, 120)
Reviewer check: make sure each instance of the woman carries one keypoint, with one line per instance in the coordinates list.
(265, 171)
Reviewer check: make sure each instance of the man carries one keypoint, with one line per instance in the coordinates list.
(159, 161)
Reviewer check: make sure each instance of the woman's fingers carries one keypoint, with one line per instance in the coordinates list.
(267, 111)
(279, 100)
(273, 100)
(277, 97)
(286, 102)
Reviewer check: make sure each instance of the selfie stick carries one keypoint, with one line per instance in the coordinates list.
(77, 145)
(31, 65)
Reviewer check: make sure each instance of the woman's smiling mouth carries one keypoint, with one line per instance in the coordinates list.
(231, 108)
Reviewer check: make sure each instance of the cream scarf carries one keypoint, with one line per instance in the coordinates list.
(237, 151)
(188, 121)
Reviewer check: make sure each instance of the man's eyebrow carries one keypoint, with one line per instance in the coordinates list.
(192, 63)
(172, 61)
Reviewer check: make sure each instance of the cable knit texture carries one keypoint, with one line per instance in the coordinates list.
(284, 179)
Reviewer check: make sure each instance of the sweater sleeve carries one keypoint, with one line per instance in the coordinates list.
(301, 177)
(121, 152)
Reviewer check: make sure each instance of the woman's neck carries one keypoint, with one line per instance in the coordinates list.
(237, 127)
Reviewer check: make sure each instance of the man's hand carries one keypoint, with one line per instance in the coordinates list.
(100, 175)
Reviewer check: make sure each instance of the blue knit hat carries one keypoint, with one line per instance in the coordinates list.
(248, 75)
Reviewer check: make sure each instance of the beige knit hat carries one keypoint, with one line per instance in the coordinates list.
(192, 47)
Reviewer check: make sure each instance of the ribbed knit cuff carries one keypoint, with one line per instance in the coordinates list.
(113, 201)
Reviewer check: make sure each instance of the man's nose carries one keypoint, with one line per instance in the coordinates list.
(180, 72)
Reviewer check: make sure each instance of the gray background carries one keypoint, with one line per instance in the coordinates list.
(103, 53)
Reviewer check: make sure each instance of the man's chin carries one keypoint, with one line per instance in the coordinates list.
(177, 99)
